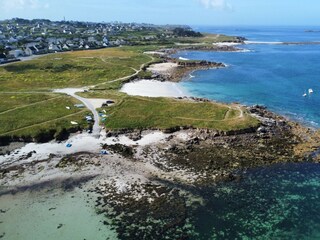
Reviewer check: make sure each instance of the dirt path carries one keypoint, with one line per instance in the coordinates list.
(72, 92)
(241, 115)
(129, 76)
(38, 124)
(28, 105)
(226, 116)
(24, 59)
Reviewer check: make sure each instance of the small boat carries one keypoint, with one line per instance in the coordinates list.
(304, 95)
(183, 59)
(310, 90)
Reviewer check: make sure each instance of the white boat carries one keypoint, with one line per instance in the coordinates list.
(183, 59)
(310, 90)
(304, 95)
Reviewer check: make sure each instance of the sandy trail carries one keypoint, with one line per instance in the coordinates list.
(72, 92)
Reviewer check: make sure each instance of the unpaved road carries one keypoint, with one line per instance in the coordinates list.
(72, 92)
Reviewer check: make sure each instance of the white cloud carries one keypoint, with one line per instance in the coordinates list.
(9, 5)
(216, 4)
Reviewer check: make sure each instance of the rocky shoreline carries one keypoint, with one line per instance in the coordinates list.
(151, 190)
(184, 67)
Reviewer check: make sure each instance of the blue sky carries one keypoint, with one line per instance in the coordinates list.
(192, 12)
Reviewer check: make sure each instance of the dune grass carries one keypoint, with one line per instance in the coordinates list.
(162, 113)
(207, 39)
(71, 69)
(131, 112)
(32, 113)
(27, 107)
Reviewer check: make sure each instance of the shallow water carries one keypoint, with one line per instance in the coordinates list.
(273, 75)
(278, 202)
(52, 215)
(282, 201)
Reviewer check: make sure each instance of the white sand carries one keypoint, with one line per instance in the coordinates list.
(97, 103)
(147, 139)
(163, 68)
(36, 215)
(152, 88)
(227, 44)
(80, 143)
(258, 42)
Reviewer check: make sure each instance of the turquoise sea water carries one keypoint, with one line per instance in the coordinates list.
(282, 201)
(278, 202)
(273, 75)
(52, 214)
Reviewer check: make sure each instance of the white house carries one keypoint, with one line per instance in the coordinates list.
(54, 47)
(105, 40)
(16, 53)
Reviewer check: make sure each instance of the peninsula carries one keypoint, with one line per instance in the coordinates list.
(112, 121)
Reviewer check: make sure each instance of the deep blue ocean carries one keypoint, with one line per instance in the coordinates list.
(273, 75)
(281, 201)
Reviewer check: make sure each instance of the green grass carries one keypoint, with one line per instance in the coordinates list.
(57, 125)
(45, 110)
(30, 112)
(12, 101)
(207, 39)
(71, 69)
(163, 113)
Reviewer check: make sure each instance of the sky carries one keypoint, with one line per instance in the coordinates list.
(191, 12)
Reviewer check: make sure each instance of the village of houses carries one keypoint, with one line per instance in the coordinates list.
(23, 38)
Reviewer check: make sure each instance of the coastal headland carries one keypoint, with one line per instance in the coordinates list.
(146, 151)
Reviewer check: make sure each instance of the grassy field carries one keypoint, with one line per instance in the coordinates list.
(31, 114)
(27, 108)
(206, 39)
(163, 113)
(71, 69)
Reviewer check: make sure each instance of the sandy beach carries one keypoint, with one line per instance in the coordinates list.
(227, 44)
(79, 143)
(152, 88)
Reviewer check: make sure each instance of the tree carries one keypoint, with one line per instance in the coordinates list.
(3, 50)
(182, 32)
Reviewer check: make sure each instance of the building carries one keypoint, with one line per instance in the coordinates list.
(3, 58)
(16, 53)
